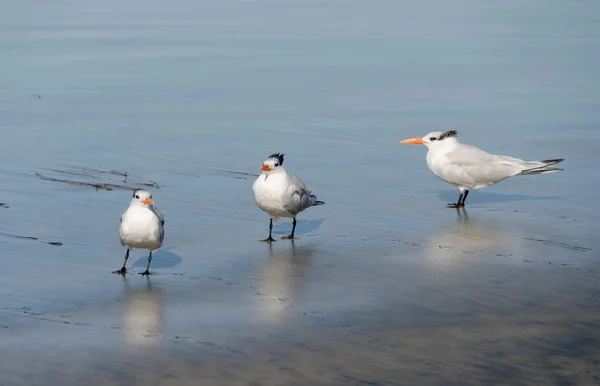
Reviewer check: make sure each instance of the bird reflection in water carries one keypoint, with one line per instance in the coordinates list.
(465, 238)
(284, 276)
(142, 314)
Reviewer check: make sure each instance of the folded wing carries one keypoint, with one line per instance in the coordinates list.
(473, 167)
(297, 196)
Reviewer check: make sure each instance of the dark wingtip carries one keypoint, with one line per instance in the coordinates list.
(553, 161)
(279, 156)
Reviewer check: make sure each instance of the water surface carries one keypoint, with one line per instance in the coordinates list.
(384, 285)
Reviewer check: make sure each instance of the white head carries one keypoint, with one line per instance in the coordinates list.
(273, 164)
(142, 197)
(434, 139)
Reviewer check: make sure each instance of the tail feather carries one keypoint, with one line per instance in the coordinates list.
(528, 165)
(316, 202)
(539, 171)
(541, 167)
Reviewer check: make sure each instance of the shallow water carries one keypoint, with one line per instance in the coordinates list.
(384, 285)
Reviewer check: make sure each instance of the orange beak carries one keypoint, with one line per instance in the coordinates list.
(148, 201)
(413, 141)
(265, 168)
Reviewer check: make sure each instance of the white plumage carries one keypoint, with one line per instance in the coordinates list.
(142, 226)
(281, 194)
(468, 167)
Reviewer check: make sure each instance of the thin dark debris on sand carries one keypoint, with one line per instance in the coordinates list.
(3, 205)
(28, 312)
(111, 172)
(55, 243)
(558, 244)
(97, 178)
(219, 172)
(233, 173)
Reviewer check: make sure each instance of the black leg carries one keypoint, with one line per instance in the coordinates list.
(464, 198)
(458, 203)
(123, 270)
(147, 272)
(291, 236)
(270, 239)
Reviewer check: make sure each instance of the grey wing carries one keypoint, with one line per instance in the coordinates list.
(122, 231)
(476, 166)
(296, 197)
(159, 215)
(469, 155)
(161, 220)
(162, 232)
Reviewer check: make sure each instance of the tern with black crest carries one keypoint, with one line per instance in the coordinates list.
(142, 226)
(468, 167)
(281, 194)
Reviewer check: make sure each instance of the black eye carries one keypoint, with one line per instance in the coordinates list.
(136, 196)
(276, 164)
(432, 138)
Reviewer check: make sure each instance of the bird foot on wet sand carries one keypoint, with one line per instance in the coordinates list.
(145, 273)
(268, 240)
(455, 205)
(121, 271)
(290, 237)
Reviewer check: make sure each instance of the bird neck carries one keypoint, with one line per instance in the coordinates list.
(138, 206)
(275, 175)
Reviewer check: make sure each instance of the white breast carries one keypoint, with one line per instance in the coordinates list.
(141, 228)
(268, 192)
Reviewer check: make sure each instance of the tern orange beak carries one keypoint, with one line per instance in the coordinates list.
(413, 141)
(148, 201)
(265, 168)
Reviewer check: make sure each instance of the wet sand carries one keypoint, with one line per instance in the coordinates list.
(384, 285)
(310, 315)
(477, 302)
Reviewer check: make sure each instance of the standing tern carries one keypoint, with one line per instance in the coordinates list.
(468, 167)
(281, 194)
(142, 226)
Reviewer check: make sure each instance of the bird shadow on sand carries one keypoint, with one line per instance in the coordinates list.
(160, 259)
(302, 226)
(481, 197)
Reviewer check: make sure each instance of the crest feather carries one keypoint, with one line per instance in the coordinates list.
(448, 134)
(279, 156)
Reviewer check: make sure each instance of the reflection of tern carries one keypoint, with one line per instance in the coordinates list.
(142, 226)
(463, 238)
(468, 167)
(281, 194)
(284, 273)
(142, 314)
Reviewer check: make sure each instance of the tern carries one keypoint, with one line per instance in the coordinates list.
(468, 167)
(142, 226)
(281, 194)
